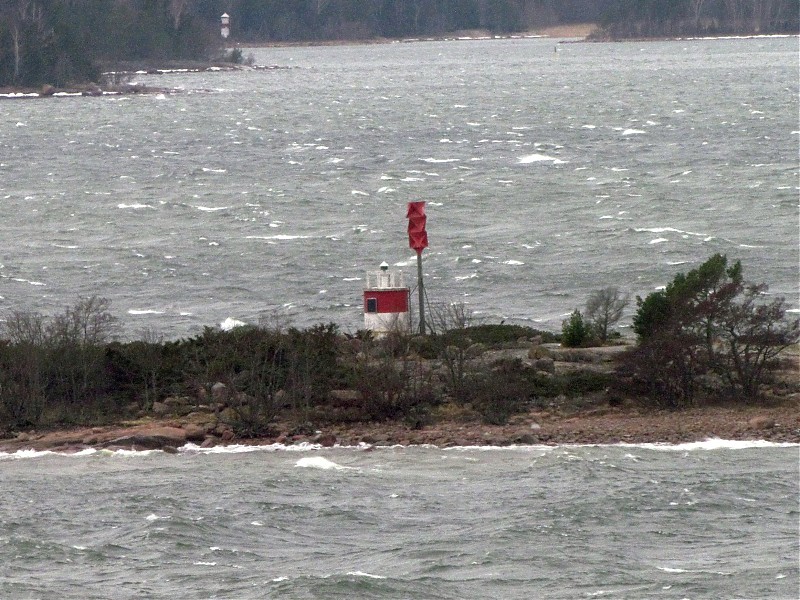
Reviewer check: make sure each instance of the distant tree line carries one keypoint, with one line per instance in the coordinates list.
(671, 18)
(279, 20)
(59, 42)
(65, 41)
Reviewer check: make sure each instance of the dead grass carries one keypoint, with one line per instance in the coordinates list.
(574, 30)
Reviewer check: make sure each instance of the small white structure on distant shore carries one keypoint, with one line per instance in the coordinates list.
(386, 301)
(225, 21)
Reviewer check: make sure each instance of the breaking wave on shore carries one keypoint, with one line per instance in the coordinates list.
(712, 444)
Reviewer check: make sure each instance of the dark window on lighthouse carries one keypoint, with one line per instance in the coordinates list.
(372, 305)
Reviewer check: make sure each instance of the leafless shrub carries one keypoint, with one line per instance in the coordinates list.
(604, 309)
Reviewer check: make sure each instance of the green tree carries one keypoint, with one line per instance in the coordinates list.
(574, 331)
(708, 322)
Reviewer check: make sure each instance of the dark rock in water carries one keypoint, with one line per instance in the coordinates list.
(326, 440)
(526, 439)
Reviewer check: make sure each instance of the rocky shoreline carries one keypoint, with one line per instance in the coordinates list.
(778, 423)
(595, 418)
(115, 88)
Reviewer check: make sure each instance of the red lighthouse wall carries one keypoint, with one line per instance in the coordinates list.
(386, 301)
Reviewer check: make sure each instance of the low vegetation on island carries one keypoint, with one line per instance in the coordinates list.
(707, 338)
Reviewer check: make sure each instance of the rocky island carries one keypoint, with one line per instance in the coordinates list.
(593, 418)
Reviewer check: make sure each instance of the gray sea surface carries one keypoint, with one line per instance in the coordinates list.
(697, 521)
(550, 170)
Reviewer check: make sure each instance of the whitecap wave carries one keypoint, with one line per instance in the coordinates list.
(154, 517)
(319, 462)
(364, 574)
(679, 570)
(30, 453)
(540, 158)
(230, 323)
(211, 208)
(242, 448)
(714, 444)
(282, 237)
(668, 230)
(20, 280)
(134, 206)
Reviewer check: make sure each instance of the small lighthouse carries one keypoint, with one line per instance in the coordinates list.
(225, 24)
(386, 301)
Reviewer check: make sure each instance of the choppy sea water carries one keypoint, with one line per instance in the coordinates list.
(707, 520)
(550, 170)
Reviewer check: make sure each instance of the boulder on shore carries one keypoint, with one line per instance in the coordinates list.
(152, 439)
(761, 422)
(326, 440)
(194, 433)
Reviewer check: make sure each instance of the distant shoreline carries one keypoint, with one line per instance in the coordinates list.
(568, 34)
(562, 34)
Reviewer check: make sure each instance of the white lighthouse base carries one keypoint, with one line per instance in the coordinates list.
(384, 323)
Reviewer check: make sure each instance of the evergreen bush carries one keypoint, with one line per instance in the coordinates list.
(574, 331)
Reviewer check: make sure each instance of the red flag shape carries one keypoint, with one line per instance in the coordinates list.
(417, 236)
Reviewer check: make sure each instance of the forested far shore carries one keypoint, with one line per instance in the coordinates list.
(61, 42)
